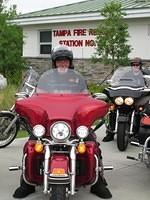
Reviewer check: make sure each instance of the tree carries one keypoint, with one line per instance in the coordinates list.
(112, 36)
(11, 42)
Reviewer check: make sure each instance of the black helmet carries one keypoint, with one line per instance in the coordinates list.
(136, 60)
(61, 52)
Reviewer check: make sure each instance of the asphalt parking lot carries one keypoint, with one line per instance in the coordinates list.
(129, 180)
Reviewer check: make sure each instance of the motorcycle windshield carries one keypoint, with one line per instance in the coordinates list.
(125, 76)
(65, 81)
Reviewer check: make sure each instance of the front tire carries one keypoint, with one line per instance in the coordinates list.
(122, 136)
(5, 120)
(59, 192)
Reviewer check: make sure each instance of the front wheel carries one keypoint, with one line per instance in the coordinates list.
(7, 137)
(122, 135)
(59, 192)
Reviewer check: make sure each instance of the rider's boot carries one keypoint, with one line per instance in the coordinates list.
(100, 188)
(109, 137)
(24, 190)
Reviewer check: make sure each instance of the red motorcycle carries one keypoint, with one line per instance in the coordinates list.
(62, 153)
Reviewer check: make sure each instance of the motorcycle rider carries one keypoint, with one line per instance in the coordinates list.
(62, 58)
(136, 65)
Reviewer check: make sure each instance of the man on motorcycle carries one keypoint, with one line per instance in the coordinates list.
(62, 58)
(136, 65)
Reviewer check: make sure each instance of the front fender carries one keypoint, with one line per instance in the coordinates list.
(59, 169)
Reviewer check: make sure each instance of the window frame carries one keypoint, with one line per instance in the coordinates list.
(44, 43)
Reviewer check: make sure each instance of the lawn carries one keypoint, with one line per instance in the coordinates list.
(22, 134)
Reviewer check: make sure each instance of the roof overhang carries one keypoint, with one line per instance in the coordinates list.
(131, 13)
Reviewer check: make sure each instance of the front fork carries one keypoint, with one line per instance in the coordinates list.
(46, 168)
(131, 121)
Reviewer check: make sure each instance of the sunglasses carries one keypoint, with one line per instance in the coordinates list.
(135, 64)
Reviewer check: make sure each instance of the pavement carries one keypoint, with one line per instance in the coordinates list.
(129, 180)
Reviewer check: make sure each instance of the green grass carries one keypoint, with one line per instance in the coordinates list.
(22, 134)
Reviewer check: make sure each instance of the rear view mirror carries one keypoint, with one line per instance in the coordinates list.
(108, 81)
(100, 96)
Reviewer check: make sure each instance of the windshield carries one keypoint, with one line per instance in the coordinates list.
(30, 80)
(55, 81)
(124, 76)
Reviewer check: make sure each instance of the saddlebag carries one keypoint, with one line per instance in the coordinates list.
(144, 131)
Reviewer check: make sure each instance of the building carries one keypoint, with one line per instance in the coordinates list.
(74, 25)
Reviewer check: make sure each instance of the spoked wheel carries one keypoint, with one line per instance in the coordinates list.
(59, 192)
(122, 136)
(6, 137)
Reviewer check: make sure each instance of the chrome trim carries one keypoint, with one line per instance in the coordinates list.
(56, 139)
(126, 87)
(23, 170)
(58, 176)
(96, 169)
(116, 124)
(59, 180)
(73, 169)
(46, 167)
(110, 167)
(131, 123)
(67, 143)
(146, 151)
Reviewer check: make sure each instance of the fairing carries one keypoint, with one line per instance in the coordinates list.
(79, 109)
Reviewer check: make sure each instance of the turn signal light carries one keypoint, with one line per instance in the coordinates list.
(38, 147)
(81, 148)
(141, 108)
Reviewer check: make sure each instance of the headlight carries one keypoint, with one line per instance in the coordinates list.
(60, 131)
(119, 101)
(82, 132)
(129, 101)
(38, 130)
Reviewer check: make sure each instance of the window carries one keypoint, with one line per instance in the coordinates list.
(45, 42)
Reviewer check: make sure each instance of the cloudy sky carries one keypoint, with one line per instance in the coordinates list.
(25, 6)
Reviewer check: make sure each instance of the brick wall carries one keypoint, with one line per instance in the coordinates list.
(92, 72)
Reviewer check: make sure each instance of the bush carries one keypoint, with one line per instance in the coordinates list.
(7, 97)
(95, 88)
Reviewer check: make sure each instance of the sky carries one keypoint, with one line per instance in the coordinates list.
(25, 6)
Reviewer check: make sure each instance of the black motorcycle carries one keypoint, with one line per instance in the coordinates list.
(9, 120)
(125, 90)
(143, 138)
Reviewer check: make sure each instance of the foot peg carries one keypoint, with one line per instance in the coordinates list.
(135, 144)
(132, 158)
(108, 167)
(15, 168)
